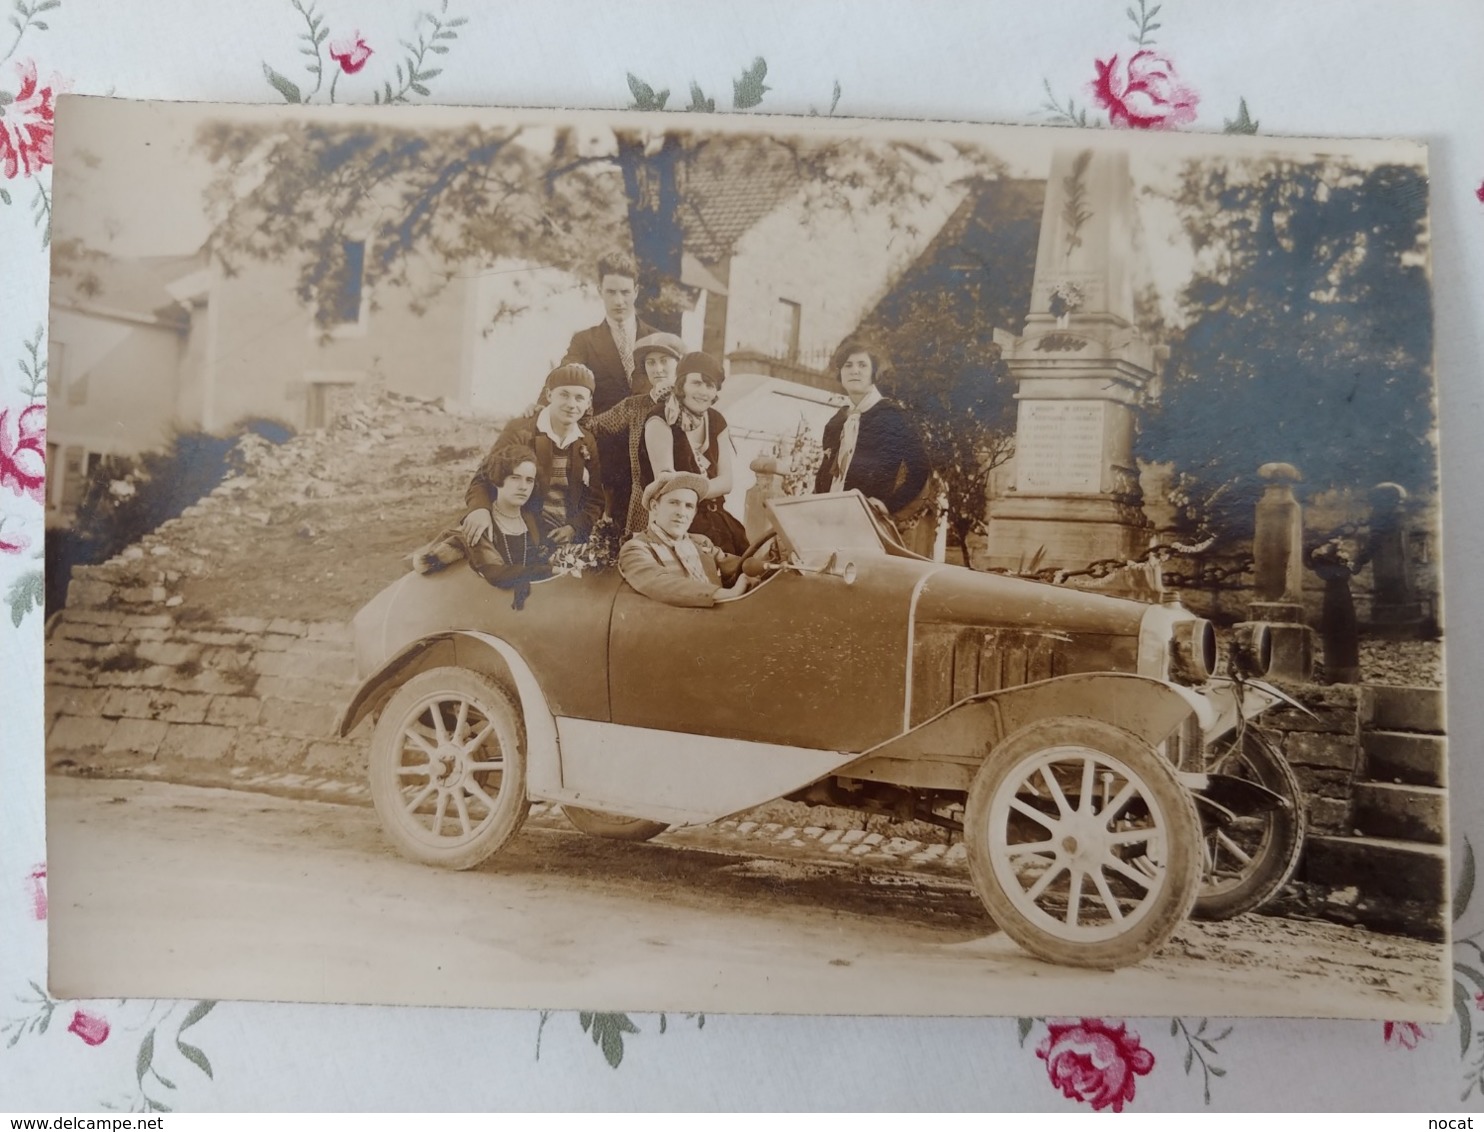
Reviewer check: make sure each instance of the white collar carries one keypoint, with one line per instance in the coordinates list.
(630, 324)
(543, 422)
(869, 401)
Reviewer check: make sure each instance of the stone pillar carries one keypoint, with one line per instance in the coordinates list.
(1395, 612)
(1081, 370)
(1278, 560)
(768, 484)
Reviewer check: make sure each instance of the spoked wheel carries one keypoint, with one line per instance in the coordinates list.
(448, 768)
(612, 826)
(1247, 860)
(1082, 843)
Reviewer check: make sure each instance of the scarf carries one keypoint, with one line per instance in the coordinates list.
(686, 553)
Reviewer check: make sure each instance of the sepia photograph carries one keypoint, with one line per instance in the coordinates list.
(730, 563)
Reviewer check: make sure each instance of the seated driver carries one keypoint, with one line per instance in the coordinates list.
(668, 563)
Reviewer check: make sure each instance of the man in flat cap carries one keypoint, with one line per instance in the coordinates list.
(668, 563)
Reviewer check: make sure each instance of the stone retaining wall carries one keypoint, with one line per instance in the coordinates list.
(138, 688)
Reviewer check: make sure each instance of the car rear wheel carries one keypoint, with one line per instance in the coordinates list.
(448, 768)
(1082, 843)
(1247, 860)
(612, 826)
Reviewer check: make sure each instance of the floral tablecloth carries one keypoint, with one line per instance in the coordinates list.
(1362, 67)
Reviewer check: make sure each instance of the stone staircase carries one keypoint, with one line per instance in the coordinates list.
(1392, 864)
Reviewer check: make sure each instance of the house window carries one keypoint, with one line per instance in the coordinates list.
(790, 318)
(349, 278)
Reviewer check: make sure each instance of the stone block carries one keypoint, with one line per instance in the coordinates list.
(1404, 709)
(1328, 815)
(89, 632)
(215, 637)
(273, 642)
(154, 676)
(61, 648)
(197, 741)
(145, 633)
(274, 664)
(137, 737)
(91, 616)
(88, 593)
(246, 624)
(305, 691)
(1406, 757)
(70, 674)
(1329, 783)
(290, 717)
(169, 653)
(228, 657)
(1378, 867)
(262, 748)
(287, 627)
(79, 733)
(338, 632)
(339, 666)
(234, 711)
(156, 703)
(1322, 749)
(149, 621)
(75, 701)
(336, 759)
(1405, 813)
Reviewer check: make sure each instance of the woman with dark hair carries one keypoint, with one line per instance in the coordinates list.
(655, 359)
(510, 553)
(685, 434)
(872, 445)
(568, 500)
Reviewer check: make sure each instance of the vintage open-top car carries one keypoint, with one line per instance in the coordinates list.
(1103, 778)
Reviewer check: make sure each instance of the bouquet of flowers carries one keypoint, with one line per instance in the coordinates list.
(1066, 297)
(598, 553)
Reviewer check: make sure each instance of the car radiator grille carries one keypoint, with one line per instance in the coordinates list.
(951, 663)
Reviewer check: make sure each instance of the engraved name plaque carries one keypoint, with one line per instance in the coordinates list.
(1060, 447)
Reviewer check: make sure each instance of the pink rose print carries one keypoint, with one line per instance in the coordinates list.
(1403, 1035)
(23, 449)
(1479, 192)
(89, 1027)
(38, 891)
(350, 53)
(1094, 1061)
(13, 544)
(26, 126)
(1144, 94)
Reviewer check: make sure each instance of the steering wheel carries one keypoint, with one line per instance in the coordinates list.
(755, 550)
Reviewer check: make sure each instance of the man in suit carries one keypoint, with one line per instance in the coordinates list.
(608, 348)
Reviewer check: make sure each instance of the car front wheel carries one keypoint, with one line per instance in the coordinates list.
(598, 824)
(448, 768)
(1082, 843)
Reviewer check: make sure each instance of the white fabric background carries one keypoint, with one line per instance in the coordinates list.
(1326, 66)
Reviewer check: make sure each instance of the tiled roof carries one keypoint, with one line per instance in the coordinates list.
(133, 285)
(725, 198)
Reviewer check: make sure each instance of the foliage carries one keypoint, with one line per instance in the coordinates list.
(1307, 335)
(431, 201)
(127, 497)
(937, 327)
(25, 594)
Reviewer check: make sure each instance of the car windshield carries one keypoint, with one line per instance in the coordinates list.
(811, 525)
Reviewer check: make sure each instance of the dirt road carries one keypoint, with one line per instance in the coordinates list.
(172, 891)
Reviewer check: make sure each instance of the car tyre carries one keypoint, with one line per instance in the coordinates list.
(448, 768)
(1245, 866)
(1082, 843)
(613, 826)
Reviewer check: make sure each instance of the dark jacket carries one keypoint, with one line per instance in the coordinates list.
(584, 503)
(889, 462)
(595, 348)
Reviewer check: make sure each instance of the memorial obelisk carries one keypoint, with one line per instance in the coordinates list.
(1081, 370)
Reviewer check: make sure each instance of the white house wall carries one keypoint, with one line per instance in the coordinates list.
(264, 347)
(129, 371)
(520, 319)
(837, 264)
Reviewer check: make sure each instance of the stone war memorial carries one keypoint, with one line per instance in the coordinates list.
(1175, 405)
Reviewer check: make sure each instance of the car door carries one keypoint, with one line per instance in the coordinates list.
(805, 660)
